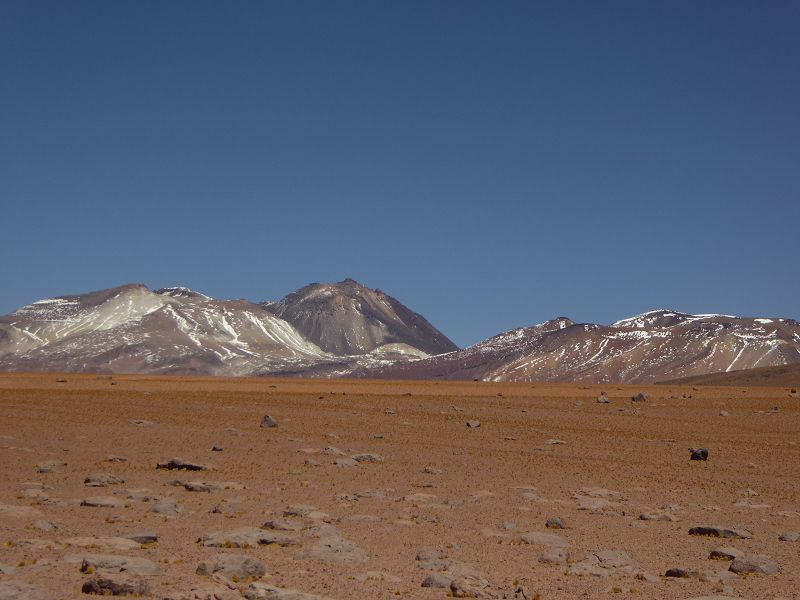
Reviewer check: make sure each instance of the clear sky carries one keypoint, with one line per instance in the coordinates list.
(490, 164)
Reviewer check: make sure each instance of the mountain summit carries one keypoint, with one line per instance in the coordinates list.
(348, 318)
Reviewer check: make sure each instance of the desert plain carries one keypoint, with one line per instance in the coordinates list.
(366, 489)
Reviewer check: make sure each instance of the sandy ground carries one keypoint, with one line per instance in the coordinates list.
(487, 486)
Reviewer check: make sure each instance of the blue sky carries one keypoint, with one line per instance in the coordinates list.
(490, 164)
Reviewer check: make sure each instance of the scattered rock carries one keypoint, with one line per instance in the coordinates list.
(111, 562)
(245, 537)
(180, 464)
(116, 584)
(681, 573)
(103, 502)
(754, 563)
(603, 398)
(721, 532)
(367, 457)
(554, 556)
(50, 466)
(102, 480)
(437, 580)
(113, 458)
(167, 506)
(724, 413)
(657, 515)
(142, 537)
(698, 453)
(216, 448)
(268, 421)
(725, 553)
(142, 423)
(790, 536)
(641, 397)
(473, 423)
(235, 567)
(555, 523)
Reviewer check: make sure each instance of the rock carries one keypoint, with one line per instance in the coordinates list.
(43, 525)
(141, 495)
(16, 590)
(111, 562)
(473, 423)
(113, 458)
(554, 556)
(167, 506)
(754, 563)
(367, 457)
(378, 576)
(245, 537)
(555, 523)
(50, 466)
(332, 547)
(265, 591)
(432, 470)
(102, 480)
(201, 486)
(345, 462)
(468, 587)
(7, 570)
(282, 524)
(142, 537)
(698, 453)
(142, 422)
(641, 397)
(116, 584)
(180, 464)
(680, 573)
(790, 536)
(235, 567)
(603, 398)
(721, 532)
(268, 421)
(657, 515)
(103, 502)
(725, 553)
(216, 448)
(437, 580)
(227, 507)
(544, 539)
(724, 413)
(105, 543)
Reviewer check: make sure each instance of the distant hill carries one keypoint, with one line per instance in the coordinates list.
(781, 376)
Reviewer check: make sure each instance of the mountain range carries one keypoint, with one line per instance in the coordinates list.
(347, 329)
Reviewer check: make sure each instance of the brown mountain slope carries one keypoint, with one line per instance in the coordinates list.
(782, 376)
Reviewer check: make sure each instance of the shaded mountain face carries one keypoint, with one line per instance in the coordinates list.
(347, 318)
(131, 329)
(656, 346)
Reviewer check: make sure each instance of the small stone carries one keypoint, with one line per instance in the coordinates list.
(142, 537)
(721, 532)
(725, 553)
(167, 506)
(113, 584)
(112, 562)
(555, 523)
(181, 465)
(680, 573)
(235, 567)
(603, 399)
(554, 556)
(658, 515)
(216, 448)
(698, 453)
(102, 480)
(473, 423)
(142, 423)
(641, 397)
(437, 580)
(268, 421)
(724, 413)
(103, 502)
(367, 457)
(113, 458)
(754, 563)
(790, 536)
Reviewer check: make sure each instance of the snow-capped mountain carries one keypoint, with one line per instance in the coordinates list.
(655, 346)
(131, 329)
